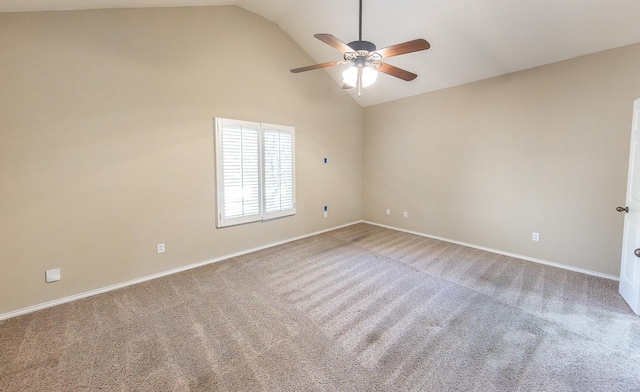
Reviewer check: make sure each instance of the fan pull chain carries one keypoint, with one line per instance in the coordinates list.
(359, 80)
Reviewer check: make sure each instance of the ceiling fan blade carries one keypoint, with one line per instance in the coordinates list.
(405, 47)
(315, 66)
(397, 72)
(346, 86)
(334, 42)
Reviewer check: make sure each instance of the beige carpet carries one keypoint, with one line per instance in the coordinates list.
(362, 308)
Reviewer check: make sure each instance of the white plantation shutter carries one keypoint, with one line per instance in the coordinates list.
(279, 185)
(255, 168)
(238, 150)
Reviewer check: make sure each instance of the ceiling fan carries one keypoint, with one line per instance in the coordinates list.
(365, 59)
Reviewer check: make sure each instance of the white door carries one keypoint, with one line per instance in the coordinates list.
(630, 268)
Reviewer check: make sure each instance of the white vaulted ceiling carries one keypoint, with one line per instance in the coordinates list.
(470, 39)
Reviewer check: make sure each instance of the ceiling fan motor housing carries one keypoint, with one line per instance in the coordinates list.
(362, 46)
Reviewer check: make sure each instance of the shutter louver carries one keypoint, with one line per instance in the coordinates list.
(278, 173)
(240, 153)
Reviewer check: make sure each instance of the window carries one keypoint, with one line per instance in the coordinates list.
(255, 167)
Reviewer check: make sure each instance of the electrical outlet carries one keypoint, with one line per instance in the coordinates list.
(388, 211)
(535, 237)
(406, 214)
(52, 275)
(160, 248)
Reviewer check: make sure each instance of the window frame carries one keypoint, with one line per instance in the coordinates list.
(262, 215)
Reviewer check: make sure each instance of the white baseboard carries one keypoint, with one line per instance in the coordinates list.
(509, 254)
(117, 286)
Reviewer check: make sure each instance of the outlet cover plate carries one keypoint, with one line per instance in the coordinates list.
(52, 275)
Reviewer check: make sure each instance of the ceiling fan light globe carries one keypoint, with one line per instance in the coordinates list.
(369, 76)
(350, 76)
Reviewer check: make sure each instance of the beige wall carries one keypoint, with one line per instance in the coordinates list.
(488, 163)
(106, 142)
(106, 148)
